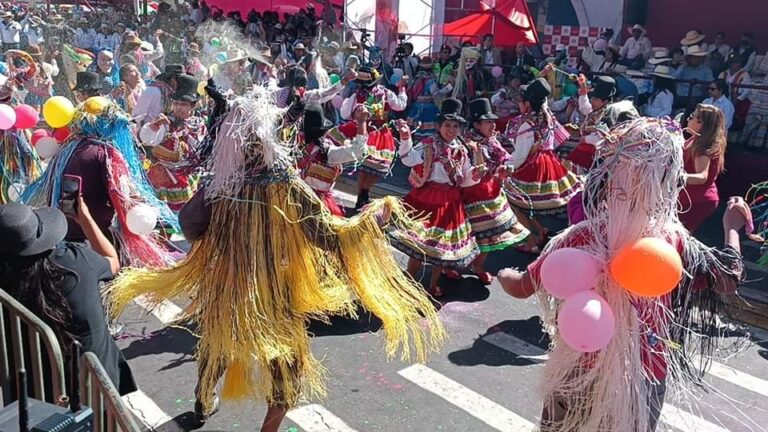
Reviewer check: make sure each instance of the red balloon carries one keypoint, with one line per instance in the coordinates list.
(39, 133)
(61, 134)
(26, 117)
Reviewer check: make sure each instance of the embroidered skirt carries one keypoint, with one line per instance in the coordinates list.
(494, 224)
(175, 187)
(381, 149)
(446, 239)
(542, 185)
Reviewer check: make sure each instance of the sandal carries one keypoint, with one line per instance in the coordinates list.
(485, 277)
(452, 274)
(435, 292)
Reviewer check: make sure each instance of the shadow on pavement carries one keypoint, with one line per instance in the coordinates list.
(172, 340)
(483, 352)
(342, 325)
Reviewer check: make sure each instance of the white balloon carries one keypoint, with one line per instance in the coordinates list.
(15, 190)
(141, 219)
(47, 147)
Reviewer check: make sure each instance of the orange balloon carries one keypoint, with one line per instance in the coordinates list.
(650, 267)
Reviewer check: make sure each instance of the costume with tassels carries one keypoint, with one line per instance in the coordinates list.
(322, 160)
(439, 171)
(381, 143)
(757, 197)
(104, 129)
(540, 183)
(470, 79)
(652, 347)
(424, 111)
(174, 160)
(494, 224)
(271, 258)
(19, 165)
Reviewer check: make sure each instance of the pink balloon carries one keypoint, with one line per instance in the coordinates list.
(337, 101)
(568, 271)
(26, 117)
(586, 322)
(39, 133)
(496, 71)
(7, 117)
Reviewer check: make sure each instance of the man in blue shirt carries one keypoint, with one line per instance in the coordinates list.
(694, 68)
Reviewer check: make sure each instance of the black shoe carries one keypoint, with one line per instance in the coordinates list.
(202, 417)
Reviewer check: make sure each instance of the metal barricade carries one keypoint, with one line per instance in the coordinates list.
(98, 392)
(28, 333)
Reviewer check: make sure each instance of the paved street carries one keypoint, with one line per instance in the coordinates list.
(484, 379)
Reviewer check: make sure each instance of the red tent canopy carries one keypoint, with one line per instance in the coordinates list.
(282, 6)
(509, 21)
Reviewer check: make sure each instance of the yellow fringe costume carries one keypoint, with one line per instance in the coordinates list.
(273, 258)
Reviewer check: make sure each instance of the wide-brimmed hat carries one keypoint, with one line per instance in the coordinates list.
(660, 56)
(28, 232)
(56, 17)
(634, 73)
(299, 46)
(87, 81)
(426, 62)
(131, 38)
(733, 58)
(236, 55)
(367, 76)
(171, 71)
(603, 87)
(696, 51)
(450, 110)
(34, 50)
(637, 27)
(314, 119)
(193, 48)
(6, 15)
(536, 91)
(663, 72)
(692, 38)
(186, 89)
(480, 109)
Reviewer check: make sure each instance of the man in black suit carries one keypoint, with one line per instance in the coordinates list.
(521, 57)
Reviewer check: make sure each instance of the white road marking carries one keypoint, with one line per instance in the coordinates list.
(166, 312)
(474, 404)
(684, 421)
(315, 418)
(146, 410)
(741, 379)
(516, 346)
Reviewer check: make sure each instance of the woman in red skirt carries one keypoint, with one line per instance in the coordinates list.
(494, 224)
(704, 158)
(381, 143)
(441, 167)
(540, 183)
(322, 161)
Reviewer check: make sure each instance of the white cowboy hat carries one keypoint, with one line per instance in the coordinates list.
(236, 56)
(663, 72)
(696, 51)
(692, 38)
(660, 56)
(637, 27)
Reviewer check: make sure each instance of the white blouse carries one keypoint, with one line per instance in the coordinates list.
(413, 156)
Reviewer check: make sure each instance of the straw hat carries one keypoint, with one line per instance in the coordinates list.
(663, 72)
(642, 29)
(6, 15)
(696, 51)
(692, 38)
(236, 55)
(660, 56)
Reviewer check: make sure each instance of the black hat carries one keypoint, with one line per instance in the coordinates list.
(28, 232)
(87, 81)
(480, 109)
(171, 71)
(314, 119)
(186, 89)
(451, 110)
(603, 87)
(367, 76)
(536, 91)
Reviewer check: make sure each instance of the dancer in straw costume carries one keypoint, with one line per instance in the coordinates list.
(267, 256)
(631, 196)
